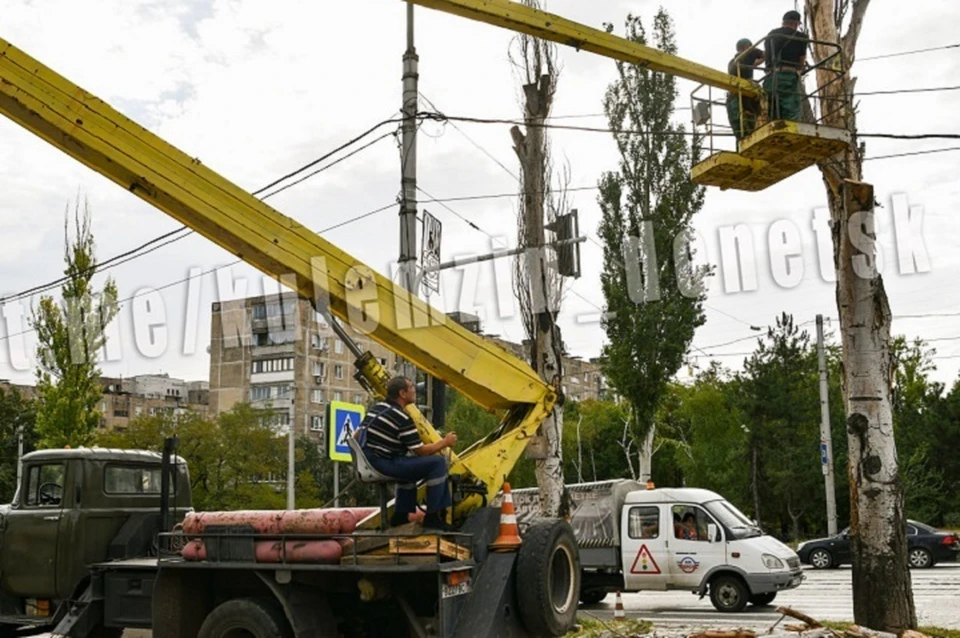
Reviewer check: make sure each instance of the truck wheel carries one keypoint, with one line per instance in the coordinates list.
(245, 618)
(762, 600)
(592, 596)
(728, 594)
(548, 578)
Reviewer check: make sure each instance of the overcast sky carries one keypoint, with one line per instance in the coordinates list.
(256, 88)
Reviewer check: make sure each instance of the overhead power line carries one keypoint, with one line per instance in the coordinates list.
(183, 232)
(903, 53)
(213, 270)
(934, 89)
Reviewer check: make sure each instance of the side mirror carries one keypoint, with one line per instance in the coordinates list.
(713, 534)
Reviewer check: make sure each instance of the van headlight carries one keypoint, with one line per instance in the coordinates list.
(772, 562)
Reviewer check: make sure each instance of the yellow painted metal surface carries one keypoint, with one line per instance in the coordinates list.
(86, 128)
(724, 170)
(771, 154)
(547, 26)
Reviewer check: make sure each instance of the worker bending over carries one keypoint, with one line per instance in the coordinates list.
(393, 447)
(786, 53)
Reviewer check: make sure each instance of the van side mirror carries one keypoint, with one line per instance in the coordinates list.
(713, 534)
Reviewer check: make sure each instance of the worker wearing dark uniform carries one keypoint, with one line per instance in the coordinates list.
(391, 443)
(786, 52)
(742, 66)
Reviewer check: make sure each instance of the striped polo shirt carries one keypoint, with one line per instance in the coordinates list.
(390, 430)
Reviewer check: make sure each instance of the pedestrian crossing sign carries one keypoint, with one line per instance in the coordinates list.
(344, 419)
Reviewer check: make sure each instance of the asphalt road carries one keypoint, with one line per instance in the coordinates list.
(825, 595)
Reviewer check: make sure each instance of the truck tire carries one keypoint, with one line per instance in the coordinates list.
(729, 594)
(548, 578)
(256, 617)
(592, 596)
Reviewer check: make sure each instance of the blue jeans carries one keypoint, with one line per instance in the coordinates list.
(431, 468)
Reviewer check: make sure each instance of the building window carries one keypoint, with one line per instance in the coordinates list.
(260, 311)
(259, 393)
(358, 398)
(338, 346)
(319, 369)
(273, 365)
(316, 396)
(283, 391)
(338, 371)
(137, 411)
(383, 361)
(586, 377)
(280, 418)
(338, 396)
(316, 423)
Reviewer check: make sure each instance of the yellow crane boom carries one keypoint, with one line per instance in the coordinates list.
(89, 130)
(548, 26)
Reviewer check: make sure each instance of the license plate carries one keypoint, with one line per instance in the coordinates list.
(449, 591)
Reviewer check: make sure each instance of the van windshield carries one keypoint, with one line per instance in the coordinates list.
(733, 519)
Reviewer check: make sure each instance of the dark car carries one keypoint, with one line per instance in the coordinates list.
(925, 548)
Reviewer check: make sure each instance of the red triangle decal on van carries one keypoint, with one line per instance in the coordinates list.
(644, 564)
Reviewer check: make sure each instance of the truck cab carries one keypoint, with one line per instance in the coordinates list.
(75, 508)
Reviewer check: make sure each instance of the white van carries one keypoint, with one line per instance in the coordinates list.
(636, 539)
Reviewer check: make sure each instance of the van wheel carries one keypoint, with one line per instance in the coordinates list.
(762, 600)
(592, 596)
(246, 618)
(548, 578)
(728, 594)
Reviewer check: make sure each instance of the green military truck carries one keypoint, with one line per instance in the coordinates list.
(75, 510)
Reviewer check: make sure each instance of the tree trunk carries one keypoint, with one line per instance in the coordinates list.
(754, 481)
(882, 595)
(546, 349)
(646, 454)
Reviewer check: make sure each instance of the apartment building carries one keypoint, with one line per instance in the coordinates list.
(144, 395)
(277, 353)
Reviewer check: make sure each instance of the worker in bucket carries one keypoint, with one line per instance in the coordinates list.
(743, 110)
(786, 55)
(393, 447)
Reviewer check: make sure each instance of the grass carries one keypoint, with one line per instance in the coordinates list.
(937, 632)
(592, 628)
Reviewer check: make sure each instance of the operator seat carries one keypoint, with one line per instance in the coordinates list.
(365, 473)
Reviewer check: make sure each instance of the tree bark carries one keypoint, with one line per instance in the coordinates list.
(546, 349)
(882, 595)
(646, 454)
(755, 481)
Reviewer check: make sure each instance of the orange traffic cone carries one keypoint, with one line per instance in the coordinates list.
(618, 613)
(509, 538)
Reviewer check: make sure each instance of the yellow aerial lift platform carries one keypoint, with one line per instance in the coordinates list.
(769, 155)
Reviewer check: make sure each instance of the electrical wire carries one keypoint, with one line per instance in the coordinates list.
(213, 270)
(592, 129)
(174, 236)
(899, 91)
(927, 152)
(903, 53)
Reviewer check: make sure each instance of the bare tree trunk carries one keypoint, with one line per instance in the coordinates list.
(882, 594)
(538, 283)
(794, 519)
(626, 442)
(755, 481)
(646, 454)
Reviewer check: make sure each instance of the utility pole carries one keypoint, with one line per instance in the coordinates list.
(408, 162)
(826, 438)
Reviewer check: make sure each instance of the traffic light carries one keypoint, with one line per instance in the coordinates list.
(566, 228)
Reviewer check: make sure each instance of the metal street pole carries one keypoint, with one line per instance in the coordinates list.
(408, 162)
(826, 438)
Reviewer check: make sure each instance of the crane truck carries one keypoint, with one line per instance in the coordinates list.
(481, 593)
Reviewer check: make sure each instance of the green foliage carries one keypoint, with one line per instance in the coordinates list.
(15, 412)
(236, 461)
(646, 204)
(70, 335)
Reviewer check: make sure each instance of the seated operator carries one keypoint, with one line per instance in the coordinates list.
(392, 445)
